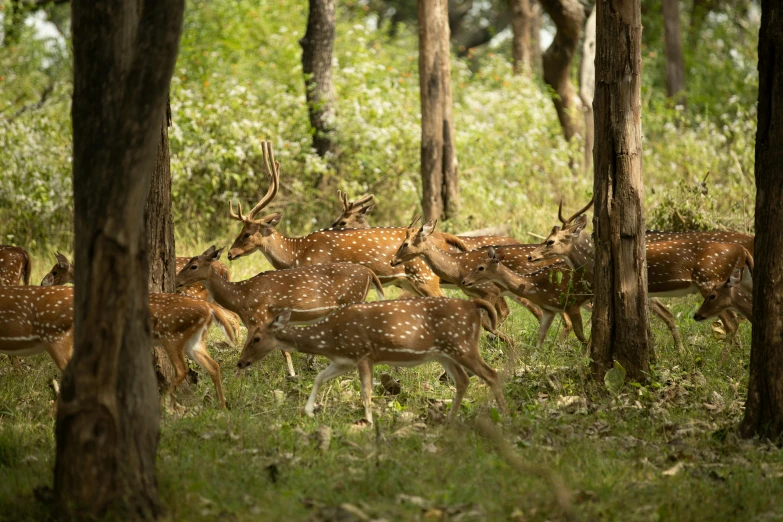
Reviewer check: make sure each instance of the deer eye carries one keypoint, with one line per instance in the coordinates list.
(550, 243)
(481, 269)
(712, 297)
(247, 235)
(193, 267)
(54, 272)
(405, 245)
(257, 340)
(343, 223)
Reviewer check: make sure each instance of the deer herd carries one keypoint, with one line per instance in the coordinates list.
(320, 282)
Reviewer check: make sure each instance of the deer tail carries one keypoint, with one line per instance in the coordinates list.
(455, 242)
(378, 287)
(28, 268)
(493, 316)
(223, 319)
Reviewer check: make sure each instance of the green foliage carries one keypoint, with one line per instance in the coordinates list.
(238, 81)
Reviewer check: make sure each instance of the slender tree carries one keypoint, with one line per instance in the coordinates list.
(568, 16)
(675, 63)
(521, 18)
(108, 415)
(621, 329)
(587, 87)
(317, 46)
(764, 406)
(536, 61)
(440, 190)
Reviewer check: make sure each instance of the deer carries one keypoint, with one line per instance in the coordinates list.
(399, 333)
(198, 290)
(565, 294)
(715, 236)
(675, 267)
(451, 268)
(371, 247)
(179, 325)
(354, 214)
(309, 292)
(727, 296)
(15, 266)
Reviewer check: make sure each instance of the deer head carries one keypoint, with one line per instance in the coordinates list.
(486, 270)
(61, 273)
(415, 241)
(198, 268)
(256, 231)
(726, 296)
(562, 240)
(263, 340)
(354, 212)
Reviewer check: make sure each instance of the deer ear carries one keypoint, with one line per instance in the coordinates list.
(272, 220)
(735, 278)
(281, 320)
(578, 226)
(208, 252)
(216, 253)
(428, 227)
(366, 210)
(491, 252)
(62, 261)
(555, 230)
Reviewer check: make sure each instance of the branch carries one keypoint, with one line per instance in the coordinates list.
(483, 35)
(33, 106)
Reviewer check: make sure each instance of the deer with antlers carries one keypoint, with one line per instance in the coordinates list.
(565, 294)
(308, 292)
(354, 214)
(675, 267)
(179, 325)
(399, 333)
(371, 247)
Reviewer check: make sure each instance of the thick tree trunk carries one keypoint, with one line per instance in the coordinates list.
(317, 45)
(568, 16)
(108, 414)
(764, 406)
(621, 329)
(675, 63)
(520, 43)
(440, 190)
(587, 87)
(536, 60)
(160, 239)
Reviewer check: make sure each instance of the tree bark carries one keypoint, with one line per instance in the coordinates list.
(317, 45)
(764, 405)
(621, 329)
(675, 63)
(440, 190)
(568, 16)
(536, 60)
(520, 43)
(159, 227)
(108, 415)
(587, 87)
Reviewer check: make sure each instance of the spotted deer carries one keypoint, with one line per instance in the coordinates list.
(399, 333)
(727, 296)
(371, 247)
(179, 325)
(451, 267)
(198, 290)
(309, 292)
(34, 320)
(15, 266)
(354, 215)
(675, 267)
(563, 294)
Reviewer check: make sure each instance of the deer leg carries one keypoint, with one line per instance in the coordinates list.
(502, 309)
(476, 364)
(661, 311)
(330, 372)
(203, 359)
(576, 320)
(533, 309)
(568, 326)
(177, 358)
(461, 382)
(546, 322)
(289, 364)
(365, 376)
(14, 360)
(730, 324)
(60, 351)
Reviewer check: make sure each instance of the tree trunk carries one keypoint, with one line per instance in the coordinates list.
(621, 329)
(440, 190)
(317, 45)
(536, 61)
(108, 415)
(520, 43)
(764, 406)
(568, 16)
(675, 63)
(699, 12)
(587, 87)
(160, 239)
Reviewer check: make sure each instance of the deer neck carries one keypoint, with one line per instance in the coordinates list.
(509, 279)
(281, 251)
(308, 340)
(743, 303)
(581, 256)
(223, 291)
(443, 264)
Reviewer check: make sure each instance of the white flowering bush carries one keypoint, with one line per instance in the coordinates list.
(238, 81)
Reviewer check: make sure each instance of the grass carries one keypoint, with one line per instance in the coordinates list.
(666, 451)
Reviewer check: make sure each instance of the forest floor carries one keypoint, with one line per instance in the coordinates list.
(664, 451)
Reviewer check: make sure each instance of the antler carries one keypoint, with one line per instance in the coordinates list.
(274, 184)
(416, 218)
(361, 201)
(343, 197)
(572, 218)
